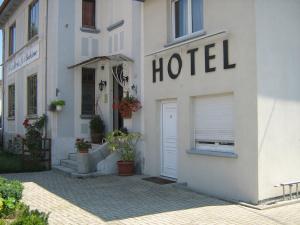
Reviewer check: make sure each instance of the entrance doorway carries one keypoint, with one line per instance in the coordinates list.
(169, 140)
(117, 96)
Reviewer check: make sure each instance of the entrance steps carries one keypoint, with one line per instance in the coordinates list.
(101, 162)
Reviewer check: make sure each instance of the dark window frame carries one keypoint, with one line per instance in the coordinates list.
(12, 39)
(32, 95)
(89, 17)
(33, 23)
(88, 91)
(11, 100)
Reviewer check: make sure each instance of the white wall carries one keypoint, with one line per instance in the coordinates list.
(278, 55)
(224, 177)
(19, 78)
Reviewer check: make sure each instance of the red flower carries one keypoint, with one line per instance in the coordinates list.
(26, 123)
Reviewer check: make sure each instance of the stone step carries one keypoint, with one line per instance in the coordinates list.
(69, 164)
(63, 170)
(72, 156)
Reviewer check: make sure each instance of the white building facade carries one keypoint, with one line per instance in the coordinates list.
(221, 96)
(217, 82)
(75, 46)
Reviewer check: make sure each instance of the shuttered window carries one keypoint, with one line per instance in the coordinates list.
(33, 19)
(32, 95)
(88, 13)
(12, 39)
(214, 122)
(88, 92)
(11, 101)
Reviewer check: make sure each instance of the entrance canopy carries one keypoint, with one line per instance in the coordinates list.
(116, 58)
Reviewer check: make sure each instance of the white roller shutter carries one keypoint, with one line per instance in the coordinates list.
(214, 119)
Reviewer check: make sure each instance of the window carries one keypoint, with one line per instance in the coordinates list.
(89, 13)
(187, 17)
(12, 39)
(32, 95)
(214, 123)
(11, 101)
(33, 19)
(88, 92)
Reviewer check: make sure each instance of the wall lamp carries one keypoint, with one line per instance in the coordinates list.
(134, 88)
(102, 85)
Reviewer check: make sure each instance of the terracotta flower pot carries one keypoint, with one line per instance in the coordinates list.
(126, 168)
(83, 150)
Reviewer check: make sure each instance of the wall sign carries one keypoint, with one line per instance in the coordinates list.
(158, 67)
(23, 58)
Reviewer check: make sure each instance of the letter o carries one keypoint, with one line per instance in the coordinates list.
(179, 60)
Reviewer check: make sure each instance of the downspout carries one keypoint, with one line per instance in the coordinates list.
(46, 68)
(3, 84)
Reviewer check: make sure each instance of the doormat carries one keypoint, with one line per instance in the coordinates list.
(159, 180)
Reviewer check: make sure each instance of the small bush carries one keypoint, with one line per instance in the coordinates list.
(7, 207)
(2, 222)
(11, 189)
(31, 218)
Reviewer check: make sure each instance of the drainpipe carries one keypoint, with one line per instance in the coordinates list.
(46, 68)
(3, 84)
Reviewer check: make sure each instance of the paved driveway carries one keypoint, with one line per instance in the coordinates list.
(120, 200)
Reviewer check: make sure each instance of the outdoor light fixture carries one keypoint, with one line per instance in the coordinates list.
(134, 88)
(102, 85)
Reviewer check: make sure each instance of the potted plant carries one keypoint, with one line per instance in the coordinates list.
(124, 143)
(82, 145)
(127, 106)
(57, 105)
(97, 128)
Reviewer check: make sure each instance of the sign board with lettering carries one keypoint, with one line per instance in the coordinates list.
(23, 58)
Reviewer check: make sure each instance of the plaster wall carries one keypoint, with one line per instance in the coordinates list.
(278, 54)
(227, 178)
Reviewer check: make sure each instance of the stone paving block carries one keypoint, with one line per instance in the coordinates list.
(117, 200)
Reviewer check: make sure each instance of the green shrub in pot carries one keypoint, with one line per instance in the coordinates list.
(97, 128)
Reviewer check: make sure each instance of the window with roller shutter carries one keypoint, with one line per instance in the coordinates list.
(89, 14)
(214, 123)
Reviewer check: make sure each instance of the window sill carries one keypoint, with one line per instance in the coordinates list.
(185, 38)
(11, 118)
(115, 25)
(86, 117)
(32, 117)
(215, 153)
(90, 30)
(35, 38)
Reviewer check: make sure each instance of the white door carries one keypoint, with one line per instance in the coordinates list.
(169, 140)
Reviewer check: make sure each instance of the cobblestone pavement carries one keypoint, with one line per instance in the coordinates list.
(130, 200)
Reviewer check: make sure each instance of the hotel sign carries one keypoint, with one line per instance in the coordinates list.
(158, 67)
(23, 58)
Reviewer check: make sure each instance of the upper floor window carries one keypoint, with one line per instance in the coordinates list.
(89, 13)
(12, 39)
(32, 95)
(11, 101)
(187, 17)
(33, 19)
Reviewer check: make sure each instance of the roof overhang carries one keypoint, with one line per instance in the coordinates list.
(7, 8)
(116, 58)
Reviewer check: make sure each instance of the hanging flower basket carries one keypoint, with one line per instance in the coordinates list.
(127, 106)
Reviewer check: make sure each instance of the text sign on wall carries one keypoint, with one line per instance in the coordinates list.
(158, 67)
(25, 57)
